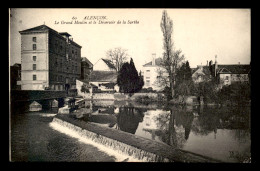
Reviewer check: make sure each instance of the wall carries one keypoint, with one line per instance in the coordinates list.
(41, 53)
(102, 88)
(103, 96)
(152, 76)
(100, 65)
(239, 77)
(119, 96)
(222, 77)
(65, 61)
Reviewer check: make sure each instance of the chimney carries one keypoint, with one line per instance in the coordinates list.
(153, 58)
(238, 63)
(207, 62)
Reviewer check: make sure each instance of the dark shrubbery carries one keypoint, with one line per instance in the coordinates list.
(128, 79)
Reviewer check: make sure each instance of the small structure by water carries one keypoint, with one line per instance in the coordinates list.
(35, 106)
(54, 104)
(64, 110)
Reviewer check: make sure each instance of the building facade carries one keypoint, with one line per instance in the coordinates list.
(49, 60)
(86, 69)
(151, 72)
(230, 74)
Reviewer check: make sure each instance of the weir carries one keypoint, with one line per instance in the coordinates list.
(124, 143)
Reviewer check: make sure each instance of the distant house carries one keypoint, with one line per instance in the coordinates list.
(151, 73)
(229, 74)
(201, 74)
(86, 69)
(104, 65)
(104, 80)
(104, 75)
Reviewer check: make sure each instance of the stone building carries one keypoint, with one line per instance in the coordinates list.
(49, 60)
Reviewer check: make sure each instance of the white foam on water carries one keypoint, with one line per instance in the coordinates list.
(119, 157)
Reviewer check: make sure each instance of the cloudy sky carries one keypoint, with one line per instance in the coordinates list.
(199, 33)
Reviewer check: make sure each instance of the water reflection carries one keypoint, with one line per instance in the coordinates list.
(211, 131)
(128, 119)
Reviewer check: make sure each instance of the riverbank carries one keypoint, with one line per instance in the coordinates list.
(132, 145)
(146, 98)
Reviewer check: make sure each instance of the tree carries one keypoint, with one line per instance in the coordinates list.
(118, 56)
(184, 84)
(171, 57)
(128, 79)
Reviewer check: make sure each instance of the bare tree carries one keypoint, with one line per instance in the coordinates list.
(118, 56)
(171, 57)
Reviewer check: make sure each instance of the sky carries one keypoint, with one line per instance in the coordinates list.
(199, 33)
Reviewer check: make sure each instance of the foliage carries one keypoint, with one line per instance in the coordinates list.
(208, 90)
(237, 93)
(128, 79)
(118, 56)
(184, 84)
(84, 89)
(171, 57)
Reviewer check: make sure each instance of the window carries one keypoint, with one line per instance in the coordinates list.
(147, 70)
(147, 82)
(34, 46)
(34, 58)
(227, 78)
(34, 66)
(34, 39)
(149, 77)
(34, 77)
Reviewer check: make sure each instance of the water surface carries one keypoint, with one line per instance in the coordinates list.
(218, 132)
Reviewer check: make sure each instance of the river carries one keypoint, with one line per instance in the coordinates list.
(33, 139)
(220, 133)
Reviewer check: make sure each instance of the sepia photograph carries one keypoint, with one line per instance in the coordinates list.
(130, 85)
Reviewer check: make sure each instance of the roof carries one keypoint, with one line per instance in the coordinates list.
(46, 28)
(158, 62)
(38, 28)
(196, 71)
(234, 69)
(84, 59)
(109, 63)
(103, 76)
